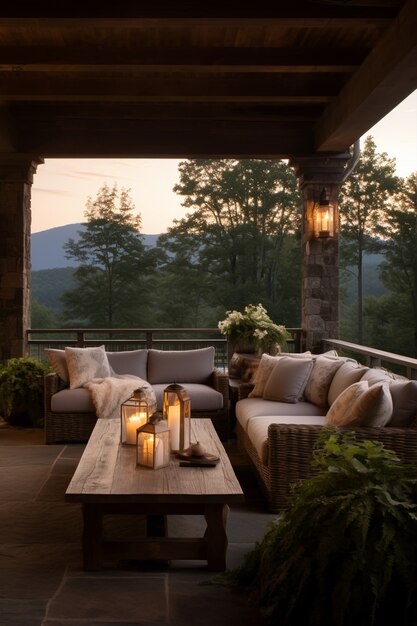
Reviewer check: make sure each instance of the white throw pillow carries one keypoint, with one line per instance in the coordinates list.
(84, 364)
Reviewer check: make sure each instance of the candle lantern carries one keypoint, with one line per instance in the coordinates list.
(177, 412)
(135, 412)
(324, 217)
(152, 444)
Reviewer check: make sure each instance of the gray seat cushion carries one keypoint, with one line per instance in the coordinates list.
(254, 407)
(202, 397)
(72, 401)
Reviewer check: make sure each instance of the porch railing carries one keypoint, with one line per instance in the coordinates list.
(404, 365)
(119, 339)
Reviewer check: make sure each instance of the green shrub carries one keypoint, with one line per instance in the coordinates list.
(21, 391)
(345, 552)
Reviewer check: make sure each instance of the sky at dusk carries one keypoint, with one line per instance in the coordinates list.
(62, 186)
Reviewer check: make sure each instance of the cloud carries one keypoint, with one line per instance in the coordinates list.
(55, 192)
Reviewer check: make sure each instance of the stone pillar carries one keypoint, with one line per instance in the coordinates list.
(16, 178)
(320, 257)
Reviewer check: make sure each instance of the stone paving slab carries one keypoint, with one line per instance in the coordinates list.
(42, 582)
(140, 599)
(21, 612)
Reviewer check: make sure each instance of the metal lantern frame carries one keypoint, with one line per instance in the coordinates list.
(324, 217)
(177, 412)
(135, 412)
(153, 448)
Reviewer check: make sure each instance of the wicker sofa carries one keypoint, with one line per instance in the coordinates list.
(70, 415)
(279, 437)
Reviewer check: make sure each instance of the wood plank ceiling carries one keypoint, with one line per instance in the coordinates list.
(186, 79)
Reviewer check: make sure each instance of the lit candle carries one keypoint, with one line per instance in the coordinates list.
(174, 413)
(132, 423)
(148, 452)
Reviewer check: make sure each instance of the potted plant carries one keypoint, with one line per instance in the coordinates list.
(345, 552)
(253, 330)
(21, 391)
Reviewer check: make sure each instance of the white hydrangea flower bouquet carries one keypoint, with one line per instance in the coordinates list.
(254, 327)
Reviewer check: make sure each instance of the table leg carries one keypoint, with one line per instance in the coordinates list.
(92, 537)
(215, 536)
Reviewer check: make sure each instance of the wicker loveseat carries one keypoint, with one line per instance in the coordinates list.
(279, 437)
(70, 415)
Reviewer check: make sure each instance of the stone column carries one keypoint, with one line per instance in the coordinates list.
(320, 257)
(16, 178)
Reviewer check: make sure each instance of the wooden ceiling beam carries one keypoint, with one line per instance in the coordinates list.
(387, 77)
(156, 138)
(220, 60)
(169, 88)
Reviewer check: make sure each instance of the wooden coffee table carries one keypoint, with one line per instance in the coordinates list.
(107, 481)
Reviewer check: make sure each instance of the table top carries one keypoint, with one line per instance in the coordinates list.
(107, 472)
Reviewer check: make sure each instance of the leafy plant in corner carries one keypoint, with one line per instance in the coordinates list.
(345, 552)
(21, 391)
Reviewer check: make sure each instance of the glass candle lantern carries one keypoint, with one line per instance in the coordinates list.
(152, 444)
(135, 412)
(177, 412)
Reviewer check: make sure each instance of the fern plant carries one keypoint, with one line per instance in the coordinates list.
(21, 391)
(345, 552)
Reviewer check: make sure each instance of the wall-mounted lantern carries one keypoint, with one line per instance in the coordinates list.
(324, 217)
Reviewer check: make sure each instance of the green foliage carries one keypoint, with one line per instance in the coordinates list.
(114, 264)
(21, 391)
(239, 242)
(345, 552)
(364, 199)
(49, 285)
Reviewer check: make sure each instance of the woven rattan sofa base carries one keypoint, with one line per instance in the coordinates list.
(77, 427)
(290, 448)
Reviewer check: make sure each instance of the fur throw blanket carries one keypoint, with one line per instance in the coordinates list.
(109, 393)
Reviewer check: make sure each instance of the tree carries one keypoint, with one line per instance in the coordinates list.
(399, 270)
(242, 227)
(364, 201)
(113, 264)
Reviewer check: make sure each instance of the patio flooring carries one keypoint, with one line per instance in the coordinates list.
(42, 582)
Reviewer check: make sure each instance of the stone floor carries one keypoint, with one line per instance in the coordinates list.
(41, 578)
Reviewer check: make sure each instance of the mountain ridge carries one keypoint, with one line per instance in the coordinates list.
(48, 246)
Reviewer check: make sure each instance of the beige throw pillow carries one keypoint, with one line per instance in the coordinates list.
(288, 379)
(58, 363)
(371, 407)
(84, 364)
(338, 414)
(345, 376)
(265, 367)
(321, 376)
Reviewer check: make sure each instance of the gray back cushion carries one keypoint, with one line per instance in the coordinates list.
(404, 398)
(129, 362)
(348, 374)
(180, 366)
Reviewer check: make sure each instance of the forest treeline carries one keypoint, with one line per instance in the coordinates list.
(239, 243)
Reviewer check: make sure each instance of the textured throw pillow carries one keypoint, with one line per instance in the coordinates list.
(84, 364)
(288, 379)
(249, 368)
(321, 376)
(372, 407)
(58, 363)
(265, 367)
(404, 399)
(338, 413)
